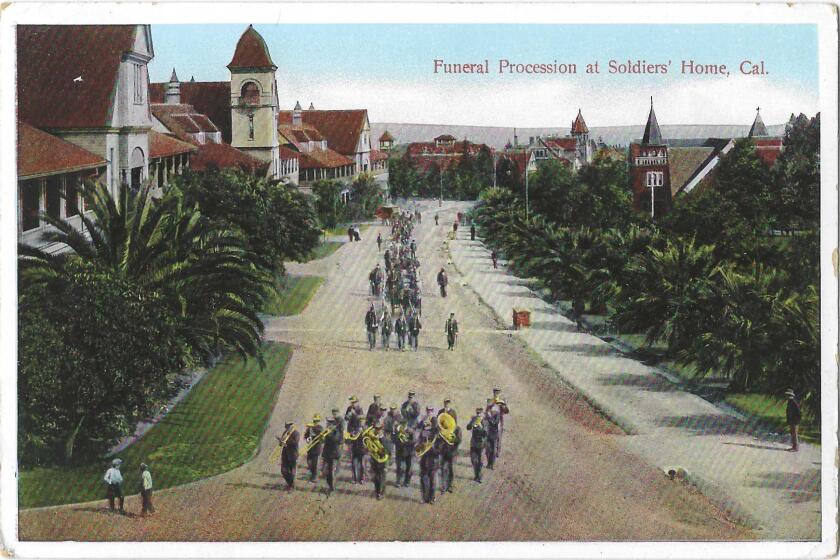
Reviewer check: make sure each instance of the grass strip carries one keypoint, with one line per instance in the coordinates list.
(293, 295)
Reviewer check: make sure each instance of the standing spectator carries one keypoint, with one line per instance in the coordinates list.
(350, 233)
(443, 281)
(146, 490)
(371, 324)
(436, 218)
(455, 227)
(472, 232)
(794, 417)
(113, 478)
(495, 258)
(379, 241)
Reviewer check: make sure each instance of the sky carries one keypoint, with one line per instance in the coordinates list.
(389, 70)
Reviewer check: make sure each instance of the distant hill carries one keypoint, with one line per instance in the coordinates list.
(497, 137)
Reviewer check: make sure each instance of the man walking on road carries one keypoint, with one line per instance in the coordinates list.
(794, 417)
(414, 327)
(494, 256)
(493, 418)
(401, 328)
(371, 324)
(113, 478)
(146, 490)
(289, 440)
(502, 406)
(379, 242)
(436, 219)
(387, 327)
(472, 232)
(331, 452)
(410, 410)
(451, 330)
(428, 463)
(447, 462)
(404, 443)
(477, 441)
(443, 281)
(313, 430)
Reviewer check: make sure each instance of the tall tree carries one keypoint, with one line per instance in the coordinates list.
(796, 176)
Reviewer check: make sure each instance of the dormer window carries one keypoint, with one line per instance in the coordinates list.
(250, 94)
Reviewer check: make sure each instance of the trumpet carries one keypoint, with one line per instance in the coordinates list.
(351, 437)
(317, 440)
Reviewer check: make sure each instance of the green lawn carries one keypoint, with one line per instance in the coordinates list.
(215, 428)
(770, 410)
(323, 250)
(293, 295)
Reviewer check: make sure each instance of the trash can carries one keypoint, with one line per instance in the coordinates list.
(521, 318)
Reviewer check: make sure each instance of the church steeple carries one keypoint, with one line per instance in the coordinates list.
(758, 129)
(652, 134)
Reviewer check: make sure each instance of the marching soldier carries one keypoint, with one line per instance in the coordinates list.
(289, 441)
(503, 411)
(374, 412)
(414, 327)
(377, 467)
(430, 416)
(379, 241)
(428, 463)
(331, 451)
(390, 423)
(313, 430)
(493, 418)
(401, 328)
(477, 441)
(451, 331)
(354, 415)
(357, 457)
(339, 421)
(447, 408)
(371, 324)
(443, 281)
(387, 327)
(404, 443)
(447, 462)
(410, 410)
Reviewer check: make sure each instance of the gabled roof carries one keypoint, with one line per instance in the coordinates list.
(163, 145)
(40, 153)
(224, 156)
(521, 158)
(559, 145)
(685, 163)
(652, 134)
(182, 119)
(444, 138)
(251, 52)
(386, 137)
(207, 98)
(757, 129)
(378, 155)
(67, 74)
(341, 128)
(579, 125)
(318, 159)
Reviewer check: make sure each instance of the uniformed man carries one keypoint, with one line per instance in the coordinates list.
(503, 411)
(451, 330)
(377, 468)
(401, 329)
(413, 248)
(447, 461)
(430, 416)
(410, 410)
(414, 327)
(313, 429)
(390, 422)
(339, 421)
(478, 426)
(371, 324)
(357, 457)
(289, 440)
(331, 451)
(447, 408)
(404, 447)
(373, 411)
(443, 281)
(436, 219)
(428, 462)
(387, 325)
(379, 241)
(493, 417)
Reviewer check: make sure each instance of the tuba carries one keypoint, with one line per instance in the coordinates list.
(446, 430)
(374, 446)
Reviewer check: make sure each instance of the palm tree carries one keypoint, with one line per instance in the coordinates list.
(204, 272)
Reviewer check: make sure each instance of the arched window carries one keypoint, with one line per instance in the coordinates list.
(250, 94)
(137, 163)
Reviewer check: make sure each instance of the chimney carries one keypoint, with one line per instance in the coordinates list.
(311, 106)
(515, 138)
(173, 90)
(296, 116)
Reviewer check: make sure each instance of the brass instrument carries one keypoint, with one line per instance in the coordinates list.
(497, 400)
(446, 430)
(317, 440)
(374, 446)
(351, 437)
(401, 435)
(280, 445)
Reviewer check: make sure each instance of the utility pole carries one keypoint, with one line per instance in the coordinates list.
(652, 187)
(527, 209)
(495, 155)
(440, 202)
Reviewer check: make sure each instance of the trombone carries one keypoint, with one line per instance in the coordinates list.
(280, 445)
(317, 440)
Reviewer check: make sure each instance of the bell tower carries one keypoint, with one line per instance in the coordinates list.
(253, 100)
(649, 170)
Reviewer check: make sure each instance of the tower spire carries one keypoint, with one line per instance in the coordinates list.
(758, 129)
(652, 133)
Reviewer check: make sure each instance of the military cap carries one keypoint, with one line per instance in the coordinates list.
(447, 401)
(316, 418)
(353, 398)
(393, 406)
(411, 393)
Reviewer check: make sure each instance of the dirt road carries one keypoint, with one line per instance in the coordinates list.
(563, 474)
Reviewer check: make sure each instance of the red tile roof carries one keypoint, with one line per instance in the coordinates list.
(341, 128)
(288, 153)
(51, 58)
(561, 144)
(207, 98)
(251, 51)
(579, 125)
(445, 138)
(520, 158)
(386, 137)
(182, 119)
(224, 156)
(40, 153)
(317, 159)
(378, 155)
(163, 145)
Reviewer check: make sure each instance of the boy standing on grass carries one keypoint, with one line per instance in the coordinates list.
(113, 478)
(794, 417)
(146, 490)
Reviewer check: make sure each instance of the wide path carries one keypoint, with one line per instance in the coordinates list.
(564, 473)
(747, 472)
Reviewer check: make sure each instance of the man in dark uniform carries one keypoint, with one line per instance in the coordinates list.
(493, 417)
(289, 453)
(414, 327)
(357, 458)
(401, 328)
(353, 418)
(350, 233)
(410, 410)
(443, 281)
(413, 248)
(428, 463)
(503, 411)
(430, 416)
(794, 417)
(313, 429)
(447, 462)
(477, 442)
(390, 423)
(371, 324)
(331, 452)
(404, 444)
(451, 331)
(494, 256)
(377, 467)
(447, 408)
(373, 412)
(379, 241)
(436, 219)
(339, 421)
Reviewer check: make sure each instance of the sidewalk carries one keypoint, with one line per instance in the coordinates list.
(746, 473)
